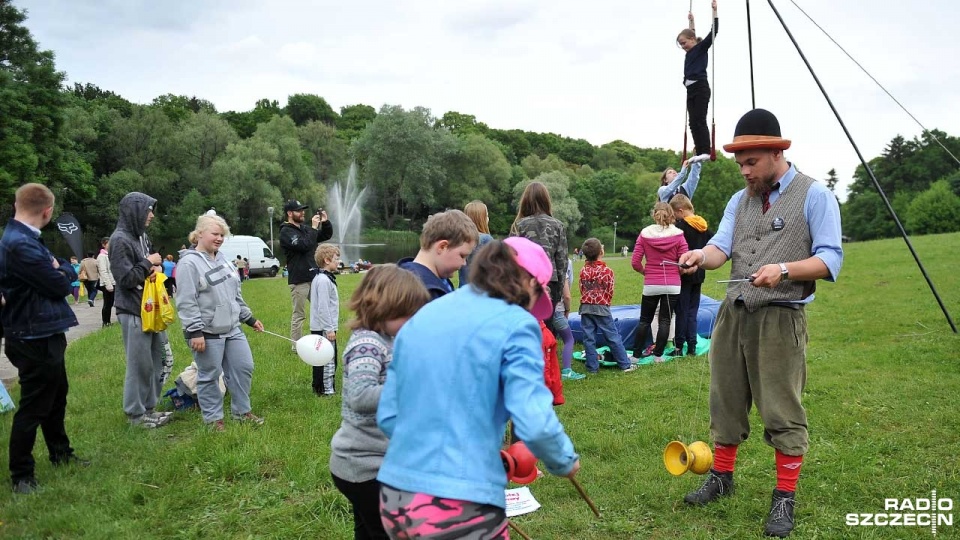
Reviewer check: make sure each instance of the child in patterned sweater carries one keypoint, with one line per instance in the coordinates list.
(596, 292)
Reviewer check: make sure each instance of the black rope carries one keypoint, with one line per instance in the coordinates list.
(863, 69)
(876, 183)
(753, 96)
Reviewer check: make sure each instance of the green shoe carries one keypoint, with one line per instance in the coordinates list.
(570, 375)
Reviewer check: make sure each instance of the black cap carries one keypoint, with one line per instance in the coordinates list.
(758, 128)
(294, 205)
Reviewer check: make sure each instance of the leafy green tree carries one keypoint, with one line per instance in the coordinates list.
(242, 122)
(200, 139)
(403, 160)
(296, 181)
(832, 180)
(327, 154)
(865, 217)
(533, 165)
(627, 152)
(303, 108)
(245, 181)
(353, 120)
(31, 106)
(607, 158)
(578, 151)
(477, 170)
(93, 93)
(177, 108)
(936, 210)
(141, 142)
(461, 124)
(515, 140)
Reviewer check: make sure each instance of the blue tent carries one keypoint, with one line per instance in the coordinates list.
(627, 317)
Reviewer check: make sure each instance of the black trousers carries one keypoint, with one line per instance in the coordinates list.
(318, 371)
(365, 499)
(648, 306)
(43, 402)
(91, 287)
(107, 306)
(698, 99)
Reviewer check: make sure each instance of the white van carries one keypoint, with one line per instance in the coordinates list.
(255, 250)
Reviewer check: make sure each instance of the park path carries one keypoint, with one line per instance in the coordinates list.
(90, 321)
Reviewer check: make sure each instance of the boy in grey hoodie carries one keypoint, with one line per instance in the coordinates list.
(132, 260)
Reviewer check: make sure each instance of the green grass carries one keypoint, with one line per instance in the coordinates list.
(883, 376)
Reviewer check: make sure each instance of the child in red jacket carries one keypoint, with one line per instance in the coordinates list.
(551, 365)
(596, 292)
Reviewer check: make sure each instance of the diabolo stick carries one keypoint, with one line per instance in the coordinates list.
(584, 496)
(518, 531)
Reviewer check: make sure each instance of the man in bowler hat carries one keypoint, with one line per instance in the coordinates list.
(781, 234)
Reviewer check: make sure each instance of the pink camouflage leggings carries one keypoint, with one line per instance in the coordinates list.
(408, 515)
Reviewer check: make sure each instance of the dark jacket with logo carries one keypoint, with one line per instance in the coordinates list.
(299, 244)
(35, 291)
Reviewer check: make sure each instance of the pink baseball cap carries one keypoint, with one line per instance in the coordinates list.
(532, 258)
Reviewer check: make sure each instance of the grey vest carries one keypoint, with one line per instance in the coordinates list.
(779, 236)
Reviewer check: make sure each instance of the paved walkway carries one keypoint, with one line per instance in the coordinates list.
(90, 321)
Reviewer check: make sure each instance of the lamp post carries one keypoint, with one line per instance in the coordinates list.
(615, 236)
(270, 212)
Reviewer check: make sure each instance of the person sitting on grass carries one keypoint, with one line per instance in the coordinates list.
(447, 240)
(596, 292)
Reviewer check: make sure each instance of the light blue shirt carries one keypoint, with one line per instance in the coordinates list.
(820, 209)
(462, 366)
(665, 193)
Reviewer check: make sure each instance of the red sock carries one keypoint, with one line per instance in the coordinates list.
(788, 471)
(724, 457)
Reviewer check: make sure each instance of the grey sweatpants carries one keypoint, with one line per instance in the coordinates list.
(145, 354)
(230, 355)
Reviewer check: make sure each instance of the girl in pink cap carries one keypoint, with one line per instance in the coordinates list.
(462, 366)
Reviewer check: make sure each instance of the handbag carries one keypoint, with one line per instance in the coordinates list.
(156, 311)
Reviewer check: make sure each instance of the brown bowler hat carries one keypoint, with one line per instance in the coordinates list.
(758, 128)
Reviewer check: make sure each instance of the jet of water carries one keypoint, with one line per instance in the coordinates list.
(345, 205)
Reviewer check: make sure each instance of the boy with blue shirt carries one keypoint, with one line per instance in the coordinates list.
(447, 240)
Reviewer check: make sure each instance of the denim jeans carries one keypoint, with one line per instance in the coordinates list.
(603, 323)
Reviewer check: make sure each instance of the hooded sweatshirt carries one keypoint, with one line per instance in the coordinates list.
(659, 244)
(208, 295)
(696, 233)
(129, 247)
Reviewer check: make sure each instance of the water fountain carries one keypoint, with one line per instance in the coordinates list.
(345, 204)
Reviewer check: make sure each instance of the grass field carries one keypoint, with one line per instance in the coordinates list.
(883, 381)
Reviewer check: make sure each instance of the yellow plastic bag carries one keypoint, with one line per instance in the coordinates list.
(156, 311)
(83, 289)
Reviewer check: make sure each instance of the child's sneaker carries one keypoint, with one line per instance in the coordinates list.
(632, 367)
(249, 417)
(570, 375)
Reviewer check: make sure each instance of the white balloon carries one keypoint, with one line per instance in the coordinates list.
(315, 350)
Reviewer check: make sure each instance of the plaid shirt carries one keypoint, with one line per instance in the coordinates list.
(596, 283)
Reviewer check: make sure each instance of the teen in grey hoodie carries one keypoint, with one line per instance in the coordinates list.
(211, 309)
(132, 260)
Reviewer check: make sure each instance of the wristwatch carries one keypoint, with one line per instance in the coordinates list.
(784, 274)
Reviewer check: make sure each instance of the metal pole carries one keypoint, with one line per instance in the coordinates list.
(753, 96)
(270, 213)
(614, 250)
(876, 183)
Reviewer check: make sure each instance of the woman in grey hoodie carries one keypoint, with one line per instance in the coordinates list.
(211, 309)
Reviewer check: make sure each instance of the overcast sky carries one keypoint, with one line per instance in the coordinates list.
(601, 70)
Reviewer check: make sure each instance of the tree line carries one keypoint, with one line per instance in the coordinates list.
(92, 146)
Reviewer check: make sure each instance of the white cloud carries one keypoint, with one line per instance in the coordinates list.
(600, 71)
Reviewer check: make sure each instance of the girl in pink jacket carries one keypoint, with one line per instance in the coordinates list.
(661, 244)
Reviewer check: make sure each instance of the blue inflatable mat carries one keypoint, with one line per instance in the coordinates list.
(703, 347)
(626, 318)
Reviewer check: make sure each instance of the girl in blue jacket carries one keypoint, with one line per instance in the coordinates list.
(454, 382)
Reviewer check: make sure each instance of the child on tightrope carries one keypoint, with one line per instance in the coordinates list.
(325, 314)
(695, 79)
(697, 234)
(444, 407)
(596, 293)
(382, 303)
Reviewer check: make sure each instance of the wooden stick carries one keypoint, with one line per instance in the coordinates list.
(518, 531)
(584, 496)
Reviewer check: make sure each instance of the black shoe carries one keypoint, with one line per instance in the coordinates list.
(90, 302)
(780, 521)
(72, 459)
(26, 486)
(677, 351)
(715, 486)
